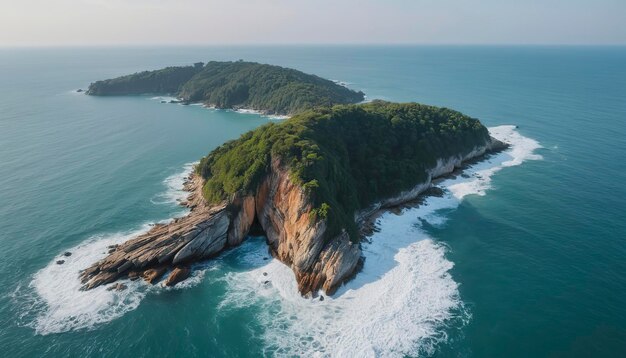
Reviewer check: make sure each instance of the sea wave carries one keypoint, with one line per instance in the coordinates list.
(174, 192)
(61, 305)
(403, 300)
(165, 99)
(400, 303)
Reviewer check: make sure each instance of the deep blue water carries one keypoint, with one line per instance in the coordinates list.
(535, 267)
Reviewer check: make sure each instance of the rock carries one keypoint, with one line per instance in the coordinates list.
(125, 266)
(180, 273)
(241, 223)
(321, 298)
(207, 242)
(112, 246)
(60, 262)
(67, 254)
(280, 207)
(117, 287)
(79, 90)
(154, 274)
(134, 275)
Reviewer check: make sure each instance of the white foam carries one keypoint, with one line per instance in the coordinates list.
(403, 299)
(522, 149)
(62, 306)
(342, 83)
(65, 306)
(260, 113)
(174, 192)
(399, 304)
(167, 99)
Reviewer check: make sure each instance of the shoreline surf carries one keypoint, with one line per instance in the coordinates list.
(423, 306)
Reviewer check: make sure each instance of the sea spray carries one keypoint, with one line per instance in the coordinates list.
(403, 300)
(400, 303)
(63, 306)
(174, 192)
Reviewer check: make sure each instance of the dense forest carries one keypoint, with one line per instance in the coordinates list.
(168, 80)
(346, 157)
(267, 88)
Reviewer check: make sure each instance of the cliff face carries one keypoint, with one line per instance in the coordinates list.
(283, 210)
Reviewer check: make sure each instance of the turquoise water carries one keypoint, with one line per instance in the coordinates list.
(530, 262)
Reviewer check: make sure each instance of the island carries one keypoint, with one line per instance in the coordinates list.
(308, 184)
(234, 85)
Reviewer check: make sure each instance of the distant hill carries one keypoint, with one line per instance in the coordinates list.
(266, 88)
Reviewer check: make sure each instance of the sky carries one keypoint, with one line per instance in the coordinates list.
(240, 22)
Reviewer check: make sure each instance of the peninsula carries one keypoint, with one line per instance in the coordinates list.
(233, 85)
(308, 183)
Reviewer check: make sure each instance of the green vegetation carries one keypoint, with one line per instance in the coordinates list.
(346, 157)
(167, 81)
(272, 89)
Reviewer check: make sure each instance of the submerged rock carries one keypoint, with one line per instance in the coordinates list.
(117, 287)
(153, 275)
(60, 262)
(67, 254)
(134, 275)
(177, 275)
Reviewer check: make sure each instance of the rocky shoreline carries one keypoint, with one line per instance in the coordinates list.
(280, 209)
(196, 236)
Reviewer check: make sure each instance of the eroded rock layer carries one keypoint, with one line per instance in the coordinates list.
(281, 207)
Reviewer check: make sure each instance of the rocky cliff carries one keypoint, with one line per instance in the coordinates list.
(281, 207)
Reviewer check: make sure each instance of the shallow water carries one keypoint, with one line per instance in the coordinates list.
(523, 257)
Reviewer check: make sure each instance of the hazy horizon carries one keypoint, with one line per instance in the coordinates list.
(68, 23)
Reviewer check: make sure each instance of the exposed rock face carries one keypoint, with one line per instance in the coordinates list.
(154, 274)
(443, 167)
(197, 236)
(242, 220)
(283, 210)
(280, 206)
(177, 275)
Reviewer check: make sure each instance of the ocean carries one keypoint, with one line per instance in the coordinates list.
(523, 256)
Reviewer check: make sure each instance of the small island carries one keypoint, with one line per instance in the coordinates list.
(308, 184)
(234, 85)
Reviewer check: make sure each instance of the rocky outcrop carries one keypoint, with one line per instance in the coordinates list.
(177, 275)
(283, 210)
(280, 207)
(201, 234)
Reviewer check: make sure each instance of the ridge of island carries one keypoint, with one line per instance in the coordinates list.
(264, 88)
(309, 183)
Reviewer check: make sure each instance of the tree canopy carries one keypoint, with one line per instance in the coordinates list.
(346, 157)
(267, 88)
